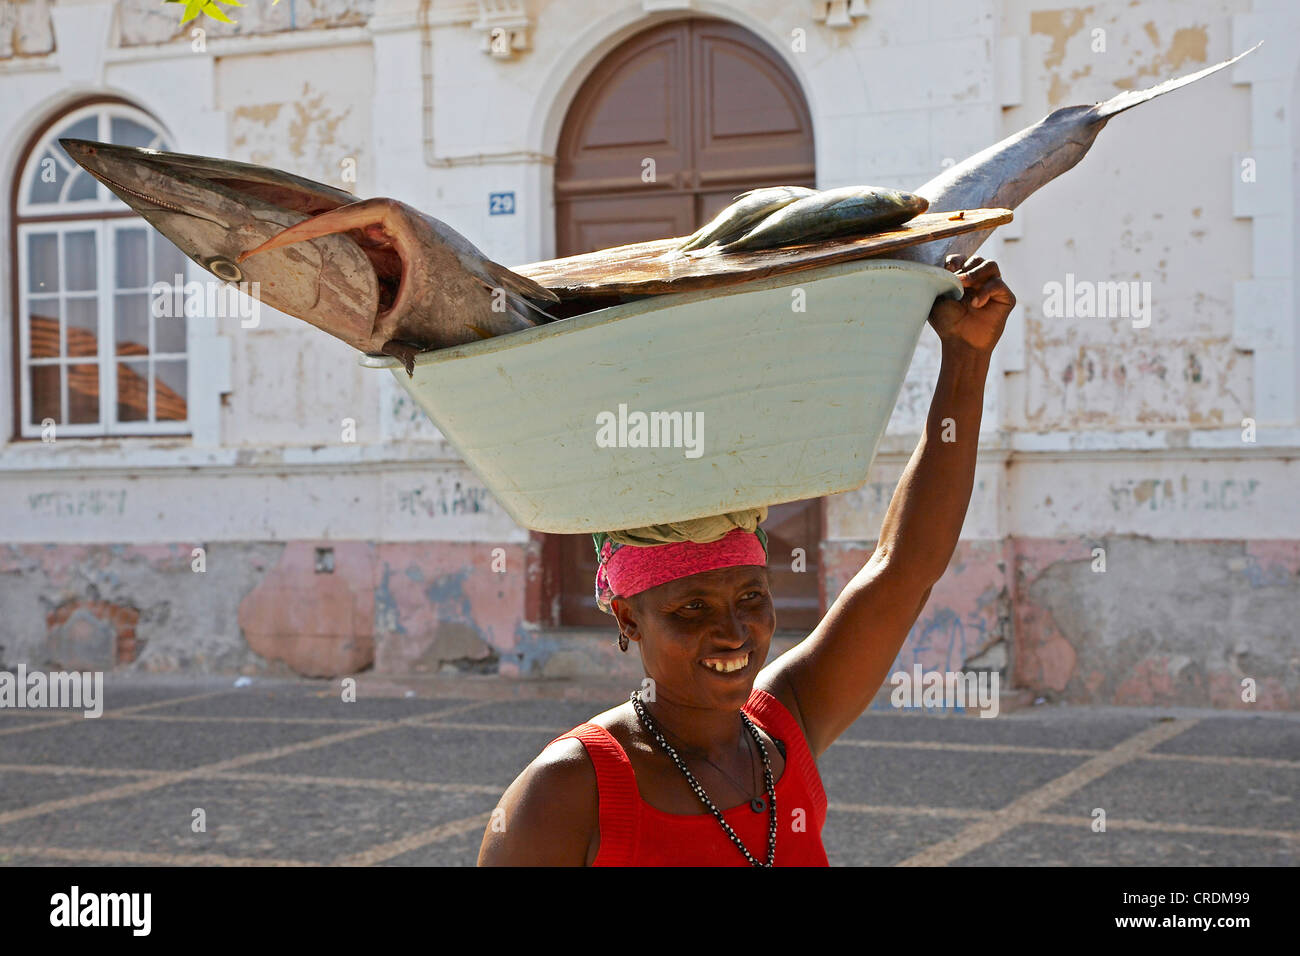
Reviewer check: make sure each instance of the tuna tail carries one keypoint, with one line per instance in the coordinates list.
(1008, 172)
(1131, 98)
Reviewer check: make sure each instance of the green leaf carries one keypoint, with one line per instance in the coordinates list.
(214, 11)
(192, 8)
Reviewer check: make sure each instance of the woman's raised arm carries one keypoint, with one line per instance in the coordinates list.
(837, 670)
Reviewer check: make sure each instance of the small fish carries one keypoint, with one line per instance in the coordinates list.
(847, 211)
(745, 211)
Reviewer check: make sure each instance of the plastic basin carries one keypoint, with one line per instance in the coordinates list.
(784, 403)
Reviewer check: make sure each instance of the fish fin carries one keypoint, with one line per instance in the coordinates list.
(750, 192)
(522, 301)
(519, 302)
(496, 275)
(404, 352)
(1131, 98)
(695, 239)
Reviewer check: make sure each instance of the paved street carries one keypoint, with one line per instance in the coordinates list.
(286, 773)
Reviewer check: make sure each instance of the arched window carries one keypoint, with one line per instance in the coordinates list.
(91, 356)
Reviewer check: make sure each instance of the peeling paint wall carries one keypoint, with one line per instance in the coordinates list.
(1158, 623)
(1165, 623)
(317, 608)
(183, 620)
(1150, 204)
(25, 28)
(291, 109)
(148, 21)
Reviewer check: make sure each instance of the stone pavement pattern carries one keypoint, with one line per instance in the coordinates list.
(288, 774)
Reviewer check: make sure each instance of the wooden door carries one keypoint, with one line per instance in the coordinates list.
(666, 130)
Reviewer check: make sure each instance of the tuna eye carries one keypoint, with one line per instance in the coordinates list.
(225, 269)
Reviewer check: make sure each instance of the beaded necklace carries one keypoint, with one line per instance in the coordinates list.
(704, 797)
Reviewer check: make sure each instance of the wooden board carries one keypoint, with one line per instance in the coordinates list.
(656, 268)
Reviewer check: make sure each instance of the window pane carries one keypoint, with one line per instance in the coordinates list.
(55, 168)
(169, 264)
(131, 323)
(132, 252)
(43, 327)
(169, 335)
(85, 128)
(47, 179)
(132, 391)
(83, 394)
(82, 186)
(170, 389)
(79, 261)
(125, 132)
(42, 262)
(83, 325)
(45, 393)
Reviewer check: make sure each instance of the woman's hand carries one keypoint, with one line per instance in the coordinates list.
(979, 316)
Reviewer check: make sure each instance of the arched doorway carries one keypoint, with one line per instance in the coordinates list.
(716, 111)
(713, 106)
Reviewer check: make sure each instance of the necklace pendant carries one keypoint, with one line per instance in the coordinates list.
(758, 804)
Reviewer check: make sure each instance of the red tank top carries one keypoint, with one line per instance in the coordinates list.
(633, 833)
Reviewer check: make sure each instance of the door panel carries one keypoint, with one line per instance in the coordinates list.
(600, 223)
(750, 115)
(633, 107)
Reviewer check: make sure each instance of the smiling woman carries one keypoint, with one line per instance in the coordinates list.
(713, 761)
(702, 764)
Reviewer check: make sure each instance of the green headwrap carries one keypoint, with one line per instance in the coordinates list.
(699, 530)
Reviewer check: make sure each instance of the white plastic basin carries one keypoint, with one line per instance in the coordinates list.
(793, 403)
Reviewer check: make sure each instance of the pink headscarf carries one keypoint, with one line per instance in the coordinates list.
(626, 570)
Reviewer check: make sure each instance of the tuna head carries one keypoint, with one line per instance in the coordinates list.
(438, 290)
(214, 209)
(376, 274)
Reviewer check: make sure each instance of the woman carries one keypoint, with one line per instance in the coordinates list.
(713, 761)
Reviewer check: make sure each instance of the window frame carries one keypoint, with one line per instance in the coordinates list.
(104, 216)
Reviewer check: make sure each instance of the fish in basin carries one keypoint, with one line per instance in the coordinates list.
(389, 279)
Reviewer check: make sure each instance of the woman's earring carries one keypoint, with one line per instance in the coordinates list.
(622, 642)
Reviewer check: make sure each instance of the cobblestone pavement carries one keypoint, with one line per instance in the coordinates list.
(286, 773)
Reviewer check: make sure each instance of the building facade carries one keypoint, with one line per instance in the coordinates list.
(251, 500)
